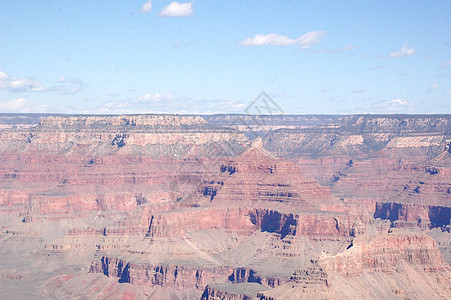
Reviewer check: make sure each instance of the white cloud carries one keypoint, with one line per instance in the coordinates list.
(156, 97)
(271, 39)
(389, 107)
(233, 105)
(405, 50)
(18, 84)
(433, 86)
(64, 85)
(398, 102)
(448, 92)
(446, 65)
(309, 39)
(306, 41)
(147, 7)
(16, 105)
(3, 76)
(176, 9)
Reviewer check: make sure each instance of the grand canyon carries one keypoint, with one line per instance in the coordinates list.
(225, 206)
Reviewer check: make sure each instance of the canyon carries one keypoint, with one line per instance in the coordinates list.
(225, 206)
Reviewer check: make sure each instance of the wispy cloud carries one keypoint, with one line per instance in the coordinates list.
(389, 107)
(405, 50)
(331, 51)
(68, 86)
(433, 87)
(176, 9)
(358, 91)
(378, 67)
(448, 92)
(170, 103)
(306, 41)
(271, 80)
(446, 65)
(64, 85)
(179, 45)
(147, 7)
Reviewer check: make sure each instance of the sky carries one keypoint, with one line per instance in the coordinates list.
(203, 57)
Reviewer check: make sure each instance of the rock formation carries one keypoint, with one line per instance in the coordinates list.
(225, 207)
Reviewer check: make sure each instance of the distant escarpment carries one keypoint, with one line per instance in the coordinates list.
(364, 135)
(142, 135)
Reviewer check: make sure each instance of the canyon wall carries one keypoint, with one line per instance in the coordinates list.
(225, 206)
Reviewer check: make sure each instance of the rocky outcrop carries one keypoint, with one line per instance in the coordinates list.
(314, 274)
(243, 291)
(168, 276)
(245, 275)
(213, 294)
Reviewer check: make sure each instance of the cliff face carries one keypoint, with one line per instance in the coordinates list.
(412, 215)
(179, 222)
(225, 207)
(373, 253)
(310, 224)
(176, 277)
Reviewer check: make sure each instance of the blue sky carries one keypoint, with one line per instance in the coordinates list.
(327, 57)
